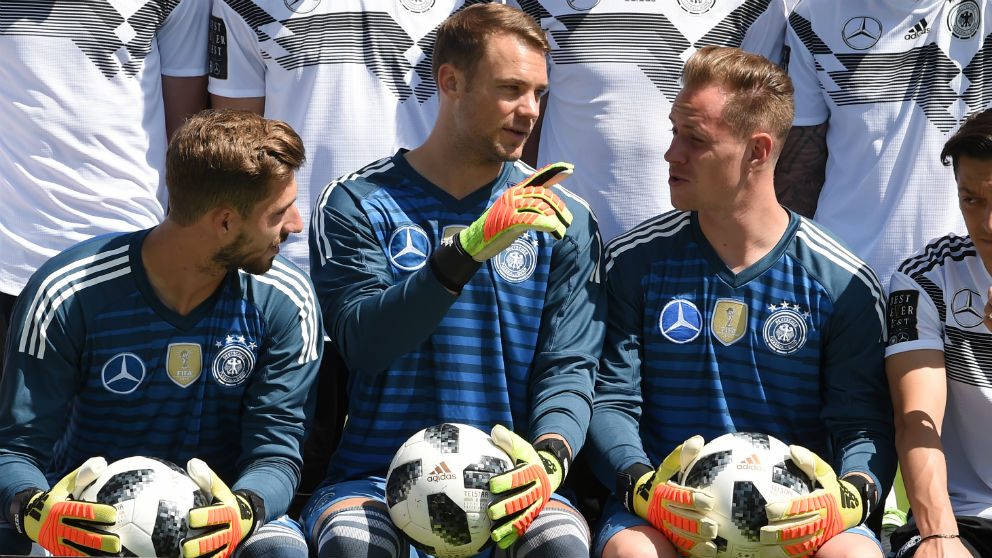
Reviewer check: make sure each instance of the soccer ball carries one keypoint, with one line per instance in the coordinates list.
(743, 471)
(437, 488)
(153, 498)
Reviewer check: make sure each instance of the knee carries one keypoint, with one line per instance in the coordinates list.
(641, 540)
(358, 528)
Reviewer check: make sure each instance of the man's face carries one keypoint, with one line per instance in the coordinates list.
(705, 160)
(269, 224)
(501, 103)
(974, 177)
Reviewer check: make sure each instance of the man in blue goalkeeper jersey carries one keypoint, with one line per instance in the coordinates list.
(192, 341)
(734, 314)
(462, 286)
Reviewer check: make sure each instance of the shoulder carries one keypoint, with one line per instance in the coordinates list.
(283, 284)
(649, 236)
(832, 264)
(941, 253)
(360, 184)
(90, 262)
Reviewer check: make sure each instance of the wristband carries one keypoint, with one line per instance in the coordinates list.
(626, 480)
(17, 507)
(558, 448)
(866, 489)
(452, 266)
(940, 536)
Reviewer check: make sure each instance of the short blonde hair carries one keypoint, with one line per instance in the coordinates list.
(760, 93)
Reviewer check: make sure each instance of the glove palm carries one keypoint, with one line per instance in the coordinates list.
(529, 205)
(227, 521)
(675, 510)
(67, 527)
(801, 525)
(521, 493)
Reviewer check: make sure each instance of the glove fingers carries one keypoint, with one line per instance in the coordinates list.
(700, 501)
(87, 473)
(550, 175)
(516, 447)
(690, 450)
(201, 474)
(512, 501)
(805, 460)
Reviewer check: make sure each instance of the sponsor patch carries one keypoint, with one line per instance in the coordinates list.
(729, 320)
(902, 310)
(301, 6)
(417, 6)
(409, 247)
(217, 49)
(967, 308)
(680, 321)
(697, 7)
(184, 362)
(123, 373)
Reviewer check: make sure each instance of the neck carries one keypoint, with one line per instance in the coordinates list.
(451, 168)
(177, 262)
(745, 233)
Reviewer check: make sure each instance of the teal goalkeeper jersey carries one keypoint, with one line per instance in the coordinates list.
(96, 365)
(792, 346)
(519, 346)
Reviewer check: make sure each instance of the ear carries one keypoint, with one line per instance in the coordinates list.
(760, 149)
(226, 222)
(450, 80)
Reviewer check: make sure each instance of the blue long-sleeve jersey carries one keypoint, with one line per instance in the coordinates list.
(519, 346)
(792, 346)
(96, 365)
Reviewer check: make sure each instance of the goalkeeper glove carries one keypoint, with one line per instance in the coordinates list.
(800, 525)
(530, 205)
(521, 493)
(67, 527)
(227, 521)
(676, 510)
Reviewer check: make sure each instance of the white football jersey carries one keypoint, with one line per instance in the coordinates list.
(936, 302)
(614, 72)
(352, 77)
(895, 78)
(83, 138)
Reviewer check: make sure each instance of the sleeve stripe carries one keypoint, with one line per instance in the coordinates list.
(664, 225)
(60, 286)
(295, 286)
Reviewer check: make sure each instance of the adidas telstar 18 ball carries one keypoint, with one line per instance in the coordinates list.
(153, 498)
(437, 488)
(743, 471)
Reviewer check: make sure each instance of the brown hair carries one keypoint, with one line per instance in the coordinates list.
(461, 39)
(973, 139)
(228, 157)
(759, 92)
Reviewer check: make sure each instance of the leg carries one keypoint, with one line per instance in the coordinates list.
(350, 519)
(857, 542)
(558, 531)
(281, 538)
(622, 534)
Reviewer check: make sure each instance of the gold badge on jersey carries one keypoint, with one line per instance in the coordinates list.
(184, 362)
(729, 320)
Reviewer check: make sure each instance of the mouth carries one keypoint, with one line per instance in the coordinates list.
(676, 180)
(519, 134)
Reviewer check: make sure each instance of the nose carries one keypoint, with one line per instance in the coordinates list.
(530, 106)
(294, 222)
(674, 152)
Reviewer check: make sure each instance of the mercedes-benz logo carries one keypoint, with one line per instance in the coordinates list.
(965, 308)
(409, 247)
(862, 32)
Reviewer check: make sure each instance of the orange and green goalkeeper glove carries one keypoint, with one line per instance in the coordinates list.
(800, 525)
(67, 527)
(676, 510)
(521, 493)
(226, 522)
(528, 206)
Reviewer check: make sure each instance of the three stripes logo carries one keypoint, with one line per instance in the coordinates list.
(921, 28)
(750, 463)
(441, 472)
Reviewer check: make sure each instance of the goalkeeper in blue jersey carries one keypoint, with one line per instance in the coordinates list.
(192, 341)
(462, 286)
(734, 314)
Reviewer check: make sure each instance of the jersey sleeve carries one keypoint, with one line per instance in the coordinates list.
(372, 320)
(237, 69)
(613, 433)
(182, 40)
(857, 408)
(913, 320)
(803, 44)
(41, 364)
(278, 408)
(570, 339)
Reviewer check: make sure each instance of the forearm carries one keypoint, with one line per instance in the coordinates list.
(924, 473)
(801, 169)
(275, 480)
(19, 474)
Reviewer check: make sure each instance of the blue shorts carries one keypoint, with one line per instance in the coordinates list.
(616, 518)
(373, 488)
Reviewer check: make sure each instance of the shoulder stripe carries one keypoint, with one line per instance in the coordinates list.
(317, 213)
(295, 286)
(664, 225)
(957, 248)
(61, 285)
(817, 240)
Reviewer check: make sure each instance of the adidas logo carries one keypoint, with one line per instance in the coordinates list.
(921, 28)
(440, 472)
(752, 463)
